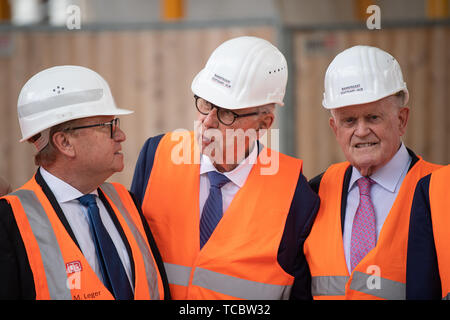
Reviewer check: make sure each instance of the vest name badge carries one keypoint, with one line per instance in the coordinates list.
(74, 266)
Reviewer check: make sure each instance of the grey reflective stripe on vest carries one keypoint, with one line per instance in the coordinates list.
(335, 286)
(388, 289)
(54, 266)
(150, 270)
(240, 288)
(328, 285)
(447, 297)
(177, 274)
(225, 284)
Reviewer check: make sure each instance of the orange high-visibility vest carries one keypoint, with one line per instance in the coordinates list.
(381, 274)
(239, 261)
(439, 192)
(60, 270)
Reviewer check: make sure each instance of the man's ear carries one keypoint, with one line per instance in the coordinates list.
(266, 121)
(403, 116)
(63, 142)
(333, 126)
(265, 124)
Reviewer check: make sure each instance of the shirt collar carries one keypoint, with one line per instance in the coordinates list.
(62, 191)
(390, 174)
(239, 174)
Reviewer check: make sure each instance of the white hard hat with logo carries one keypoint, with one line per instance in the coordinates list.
(362, 74)
(60, 94)
(243, 72)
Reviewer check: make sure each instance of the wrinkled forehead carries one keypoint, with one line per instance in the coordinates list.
(385, 105)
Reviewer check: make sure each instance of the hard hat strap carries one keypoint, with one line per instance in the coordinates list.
(42, 141)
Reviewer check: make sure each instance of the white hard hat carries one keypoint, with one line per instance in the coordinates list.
(60, 94)
(362, 74)
(243, 72)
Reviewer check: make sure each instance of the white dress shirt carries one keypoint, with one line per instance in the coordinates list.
(77, 217)
(383, 192)
(237, 176)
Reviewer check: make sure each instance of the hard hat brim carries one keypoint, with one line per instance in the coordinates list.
(363, 98)
(114, 112)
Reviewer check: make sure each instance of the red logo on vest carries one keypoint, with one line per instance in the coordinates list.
(74, 266)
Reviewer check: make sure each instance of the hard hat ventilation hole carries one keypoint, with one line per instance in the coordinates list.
(58, 89)
(276, 70)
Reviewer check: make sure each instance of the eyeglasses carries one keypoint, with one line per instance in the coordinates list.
(114, 124)
(225, 116)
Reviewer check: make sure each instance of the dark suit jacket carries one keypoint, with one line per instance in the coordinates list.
(423, 281)
(16, 278)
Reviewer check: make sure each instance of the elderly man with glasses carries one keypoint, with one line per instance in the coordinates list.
(228, 228)
(67, 234)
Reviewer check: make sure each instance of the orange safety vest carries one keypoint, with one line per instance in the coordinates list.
(381, 274)
(239, 261)
(60, 270)
(439, 192)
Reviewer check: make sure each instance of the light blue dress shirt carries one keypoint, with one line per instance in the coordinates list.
(383, 192)
(237, 177)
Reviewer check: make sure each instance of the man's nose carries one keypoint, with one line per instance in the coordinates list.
(119, 135)
(362, 128)
(210, 120)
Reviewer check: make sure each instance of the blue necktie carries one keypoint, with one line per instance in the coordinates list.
(212, 210)
(111, 267)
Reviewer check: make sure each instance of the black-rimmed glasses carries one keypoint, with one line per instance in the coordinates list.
(225, 116)
(113, 124)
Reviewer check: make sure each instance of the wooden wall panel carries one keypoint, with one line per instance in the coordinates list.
(424, 55)
(149, 71)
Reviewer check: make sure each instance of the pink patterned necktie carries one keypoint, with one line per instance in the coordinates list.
(364, 236)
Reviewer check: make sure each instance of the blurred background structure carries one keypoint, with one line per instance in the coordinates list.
(150, 50)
